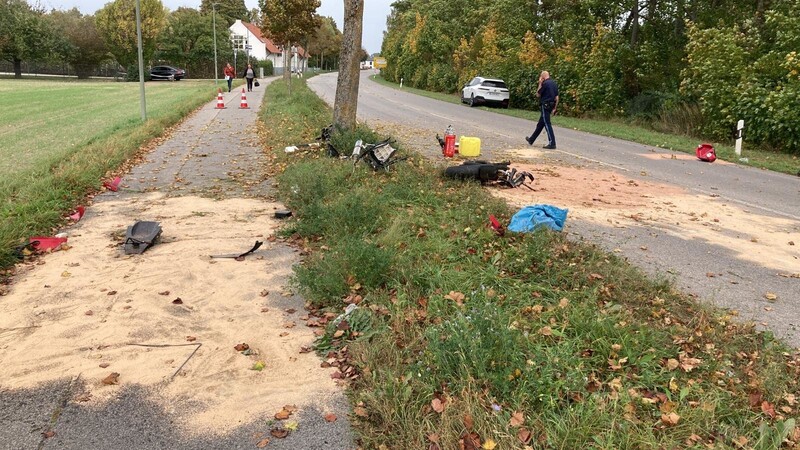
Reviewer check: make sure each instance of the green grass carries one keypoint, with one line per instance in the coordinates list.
(757, 157)
(590, 351)
(59, 138)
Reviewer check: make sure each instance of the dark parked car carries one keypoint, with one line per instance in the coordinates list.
(167, 73)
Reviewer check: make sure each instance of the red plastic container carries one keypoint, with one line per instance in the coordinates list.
(449, 145)
(706, 152)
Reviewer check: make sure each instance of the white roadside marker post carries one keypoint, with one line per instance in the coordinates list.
(739, 128)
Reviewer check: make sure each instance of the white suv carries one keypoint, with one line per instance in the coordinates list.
(485, 90)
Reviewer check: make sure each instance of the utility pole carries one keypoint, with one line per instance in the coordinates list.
(214, 22)
(142, 104)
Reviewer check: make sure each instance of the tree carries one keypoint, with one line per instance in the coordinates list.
(24, 35)
(228, 11)
(289, 22)
(82, 46)
(346, 103)
(188, 42)
(326, 41)
(116, 23)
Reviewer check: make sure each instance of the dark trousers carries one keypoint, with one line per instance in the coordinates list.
(230, 81)
(544, 124)
(249, 84)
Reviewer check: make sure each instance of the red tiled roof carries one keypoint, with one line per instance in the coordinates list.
(271, 47)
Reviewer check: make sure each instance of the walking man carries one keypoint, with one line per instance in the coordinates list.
(548, 101)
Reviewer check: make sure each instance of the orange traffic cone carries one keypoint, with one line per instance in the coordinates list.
(220, 100)
(243, 105)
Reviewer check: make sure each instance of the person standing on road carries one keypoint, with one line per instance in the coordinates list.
(248, 75)
(548, 102)
(229, 74)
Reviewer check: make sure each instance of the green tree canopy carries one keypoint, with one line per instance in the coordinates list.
(229, 10)
(325, 43)
(289, 21)
(116, 23)
(24, 34)
(188, 42)
(81, 46)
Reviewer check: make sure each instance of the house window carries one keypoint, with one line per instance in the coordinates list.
(280, 54)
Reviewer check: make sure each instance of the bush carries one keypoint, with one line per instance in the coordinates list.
(133, 73)
(266, 64)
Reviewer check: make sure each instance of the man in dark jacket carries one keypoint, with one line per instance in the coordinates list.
(548, 101)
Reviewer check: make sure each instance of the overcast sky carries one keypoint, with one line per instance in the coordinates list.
(375, 12)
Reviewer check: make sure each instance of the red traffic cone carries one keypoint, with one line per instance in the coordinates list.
(243, 105)
(220, 100)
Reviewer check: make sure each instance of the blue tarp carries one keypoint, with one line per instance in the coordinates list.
(531, 217)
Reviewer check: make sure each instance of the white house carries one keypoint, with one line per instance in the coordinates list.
(245, 33)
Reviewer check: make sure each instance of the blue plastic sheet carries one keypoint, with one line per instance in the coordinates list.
(530, 218)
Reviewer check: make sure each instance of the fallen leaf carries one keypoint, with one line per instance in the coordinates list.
(112, 293)
(489, 445)
(177, 301)
(283, 414)
(338, 334)
(241, 347)
(330, 417)
(517, 419)
(741, 442)
(89, 313)
(264, 293)
(262, 443)
(546, 331)
(291, 311)
(468, 422)
(768, 409)
(437, 405)
(258, 366)
(164, 293)
(279, 432)
(306, 349)
(288, 325)
(771, 296)
(524, 435)
(191, 338)
(457, 297)
(688, 364)
(104, 365)
(360, 411)
(48, 434)
(595, 276)
(112, 378)
(83, 397)
(65, 274)
(670, 419)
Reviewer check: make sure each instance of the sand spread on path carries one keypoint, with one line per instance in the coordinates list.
(83, 307)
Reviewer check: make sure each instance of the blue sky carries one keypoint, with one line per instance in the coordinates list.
(375, 12)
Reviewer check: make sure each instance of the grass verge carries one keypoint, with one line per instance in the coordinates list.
(58, 139)
(465, 339)
(757, 157)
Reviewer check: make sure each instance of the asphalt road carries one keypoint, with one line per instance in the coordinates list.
(739, 282)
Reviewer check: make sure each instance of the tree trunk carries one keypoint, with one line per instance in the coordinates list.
(344, 108)
(287, 61)
(17, 68)
(635, 24)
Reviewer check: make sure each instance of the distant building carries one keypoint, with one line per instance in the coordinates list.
(262, 48)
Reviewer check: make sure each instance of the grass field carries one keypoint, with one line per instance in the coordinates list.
(757, 157)
(58, 138)
(467, 340)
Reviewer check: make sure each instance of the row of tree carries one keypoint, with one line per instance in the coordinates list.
(693, 65)
(184, 37)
